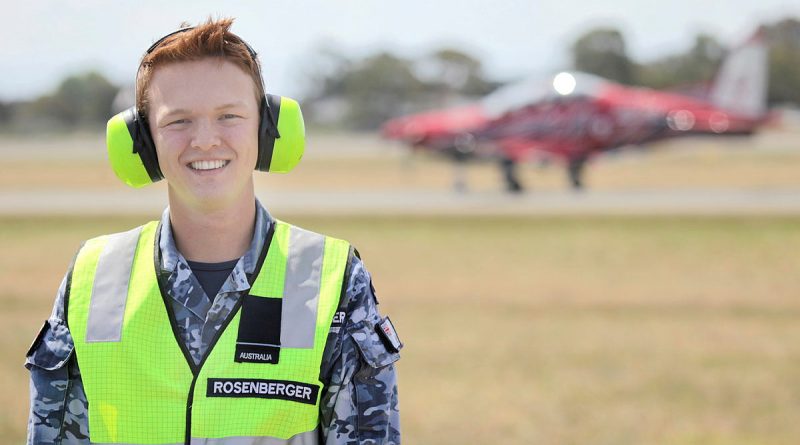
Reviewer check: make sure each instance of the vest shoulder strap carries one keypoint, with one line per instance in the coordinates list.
(305, 265)
(103, 266)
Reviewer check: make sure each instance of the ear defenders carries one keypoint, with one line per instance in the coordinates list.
(132, 153)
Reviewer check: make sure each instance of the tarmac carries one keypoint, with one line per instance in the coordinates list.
(766, 151)
(784, 201)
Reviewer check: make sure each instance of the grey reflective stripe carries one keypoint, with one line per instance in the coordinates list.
(301, 288)
(255, 344)
(110, 287)
(120, 443)
(307, 438)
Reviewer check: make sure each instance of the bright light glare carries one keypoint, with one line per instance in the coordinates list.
(564, 83)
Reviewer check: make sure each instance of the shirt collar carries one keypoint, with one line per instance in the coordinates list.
(170, 256)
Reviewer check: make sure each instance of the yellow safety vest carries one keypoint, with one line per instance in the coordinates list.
(258, 382)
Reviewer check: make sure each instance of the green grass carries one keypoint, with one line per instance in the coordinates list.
(519, 330)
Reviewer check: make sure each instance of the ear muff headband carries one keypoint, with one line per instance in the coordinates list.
(281, 136)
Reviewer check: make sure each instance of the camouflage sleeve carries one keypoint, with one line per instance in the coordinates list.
(58, 413)
(359, 403)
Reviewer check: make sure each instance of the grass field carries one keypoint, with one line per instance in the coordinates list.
(598, 330)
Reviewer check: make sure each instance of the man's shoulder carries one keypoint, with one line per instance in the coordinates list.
(109, 249)
(306, 240)
(130, 235)
(291, 226)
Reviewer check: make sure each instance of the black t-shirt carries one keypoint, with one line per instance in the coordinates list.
(212, 275)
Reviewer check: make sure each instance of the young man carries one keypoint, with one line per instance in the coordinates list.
(218, 324)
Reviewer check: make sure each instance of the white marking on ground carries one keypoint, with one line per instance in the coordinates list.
(690, 201)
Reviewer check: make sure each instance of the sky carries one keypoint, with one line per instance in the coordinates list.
(43, 40)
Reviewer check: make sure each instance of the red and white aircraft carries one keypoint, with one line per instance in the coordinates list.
(574, 116)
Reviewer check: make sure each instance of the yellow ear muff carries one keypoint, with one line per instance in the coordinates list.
(282, 140)
(282, 150)
(122, 153)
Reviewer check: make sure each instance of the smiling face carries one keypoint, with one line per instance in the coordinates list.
(204, 118)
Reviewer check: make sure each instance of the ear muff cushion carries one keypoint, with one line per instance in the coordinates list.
(291, 144)
(125, 161)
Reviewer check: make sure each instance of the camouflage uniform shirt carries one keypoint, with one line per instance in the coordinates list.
(358, 404)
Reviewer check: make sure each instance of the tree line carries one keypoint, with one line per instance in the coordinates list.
(603, 52)
(81, 101)
(361, 93)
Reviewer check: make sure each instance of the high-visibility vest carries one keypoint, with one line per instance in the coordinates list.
(258, 382)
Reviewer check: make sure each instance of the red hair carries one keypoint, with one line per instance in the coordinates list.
(210, 39)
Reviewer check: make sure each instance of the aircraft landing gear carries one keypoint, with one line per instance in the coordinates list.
(575, 172)
(460, 173)
(462, 150)
(509, 169)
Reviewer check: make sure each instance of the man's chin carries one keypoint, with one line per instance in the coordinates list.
(211, 198)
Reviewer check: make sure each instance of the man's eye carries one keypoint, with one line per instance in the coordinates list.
(179, 121)
(229, 116)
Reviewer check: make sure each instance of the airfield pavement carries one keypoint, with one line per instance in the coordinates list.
(359, 174)
(628, 202)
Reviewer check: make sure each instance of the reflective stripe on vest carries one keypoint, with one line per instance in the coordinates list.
(303, 270)
(135, 373)
(307, 438)
(111, 281)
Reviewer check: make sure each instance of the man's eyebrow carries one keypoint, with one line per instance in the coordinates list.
(176, 111)
(221, 107)
(230, 105)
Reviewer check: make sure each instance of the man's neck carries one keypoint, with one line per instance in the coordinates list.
(213, 235)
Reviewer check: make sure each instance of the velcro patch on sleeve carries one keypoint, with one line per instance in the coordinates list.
(386, 330)
(38, 339)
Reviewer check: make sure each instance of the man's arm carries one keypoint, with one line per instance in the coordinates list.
(359, 404)
(58, 413)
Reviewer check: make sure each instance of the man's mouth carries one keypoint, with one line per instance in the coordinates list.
(208, 165)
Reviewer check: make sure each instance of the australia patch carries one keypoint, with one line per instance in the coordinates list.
(255, 353)
(259, 335)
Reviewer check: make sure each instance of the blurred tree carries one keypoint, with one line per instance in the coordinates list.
(377, 87)
(82, 100)
(783, 38)
(329, 67)
(452, 72)
(363, 94)
(697, 66)
(6, 112)
(602, 51)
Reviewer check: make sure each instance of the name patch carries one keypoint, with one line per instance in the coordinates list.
(263, 389)
(338, 319)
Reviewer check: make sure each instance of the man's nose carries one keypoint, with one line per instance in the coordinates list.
(205, 135)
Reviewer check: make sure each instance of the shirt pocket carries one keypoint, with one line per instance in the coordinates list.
(52, 347)
(375, 385)
(373, 349)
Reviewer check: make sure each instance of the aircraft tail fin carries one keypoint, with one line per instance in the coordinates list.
(741, 83)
